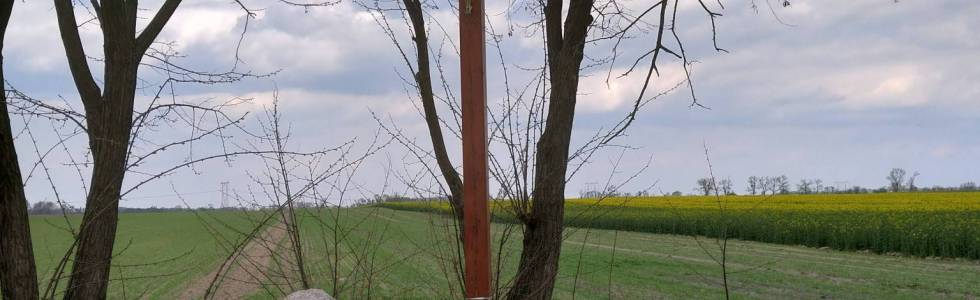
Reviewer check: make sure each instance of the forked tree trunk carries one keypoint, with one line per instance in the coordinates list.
(109, 128)
(90, 271)
(18, 276)
(538, 267)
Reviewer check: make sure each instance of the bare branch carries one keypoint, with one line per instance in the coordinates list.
(77, 60)
(153, 29)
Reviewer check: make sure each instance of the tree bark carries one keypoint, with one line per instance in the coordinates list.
(90, 271)
(538, 266)
(18, 275)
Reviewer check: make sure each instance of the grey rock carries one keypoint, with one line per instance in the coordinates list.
(311, 294)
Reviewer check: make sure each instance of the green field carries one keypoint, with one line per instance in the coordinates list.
(399, 254)
(920, 224)
(411, 260)
(156, 254)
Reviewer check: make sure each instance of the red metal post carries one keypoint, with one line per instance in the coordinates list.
(476, 213)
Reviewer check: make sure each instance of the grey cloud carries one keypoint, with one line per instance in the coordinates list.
(798, 100)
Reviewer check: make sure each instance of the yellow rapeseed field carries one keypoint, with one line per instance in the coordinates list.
(922, 224)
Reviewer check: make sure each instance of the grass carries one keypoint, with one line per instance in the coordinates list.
(156, 254)
(410, 263)
(408, 255)
(921, 224)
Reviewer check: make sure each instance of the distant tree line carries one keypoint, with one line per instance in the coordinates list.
(757, 185)
(386, 198)
(898, 181)
(609, 191)
(52, 208)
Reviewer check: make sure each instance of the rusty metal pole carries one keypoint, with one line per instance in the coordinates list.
(476, 212)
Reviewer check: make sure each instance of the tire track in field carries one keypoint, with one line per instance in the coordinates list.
(790, 271)
(841, 259)
(653, 253)
(248, 270)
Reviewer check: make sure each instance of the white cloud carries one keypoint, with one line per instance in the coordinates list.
(324, 104)
(882, 86)
(32, 40)
(945, 151)
(323, 40)
(197, 24)
(595, 95)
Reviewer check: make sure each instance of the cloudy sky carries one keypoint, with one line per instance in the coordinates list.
(842, 91)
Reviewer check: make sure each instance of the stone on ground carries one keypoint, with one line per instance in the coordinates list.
(311, 294)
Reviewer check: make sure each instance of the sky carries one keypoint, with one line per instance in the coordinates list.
(841, 91)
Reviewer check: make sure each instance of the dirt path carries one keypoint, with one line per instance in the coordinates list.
(248, 270)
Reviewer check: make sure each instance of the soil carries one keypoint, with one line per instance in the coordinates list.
(248, 270)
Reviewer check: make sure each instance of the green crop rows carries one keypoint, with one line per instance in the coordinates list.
(920, 224)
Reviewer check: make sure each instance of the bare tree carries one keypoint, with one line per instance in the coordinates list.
(706, 186)
(911, 185)
(723, 235)
(535, 122)
(423, 81)
(805, 186)
(896, 178)
(768, 185)
(109, 116)
(110, 121)
(565, 47)
(18, 275)
(566, 33)
(298, 184)
(781, 184)
(754, 185)
(722, 240)
(725, 187)
(285, 195)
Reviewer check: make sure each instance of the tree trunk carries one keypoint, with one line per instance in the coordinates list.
(543, 231)
(18, 276)
(109, 132)
(109, 120)
(90, 271)
(424, 80)
(538, 267)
